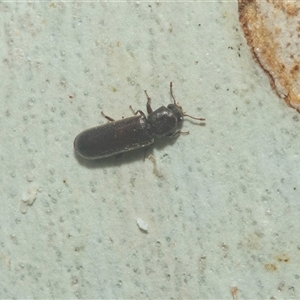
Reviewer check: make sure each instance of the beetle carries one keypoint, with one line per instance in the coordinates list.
(131, 133)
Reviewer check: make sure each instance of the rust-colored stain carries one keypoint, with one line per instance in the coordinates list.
(272, 30)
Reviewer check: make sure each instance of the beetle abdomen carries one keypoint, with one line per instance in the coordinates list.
(113, 138)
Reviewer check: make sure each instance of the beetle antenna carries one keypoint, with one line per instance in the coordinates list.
(200, 119)
(171, 92)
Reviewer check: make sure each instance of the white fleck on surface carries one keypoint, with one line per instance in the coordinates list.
(142, 224)
(28, 197)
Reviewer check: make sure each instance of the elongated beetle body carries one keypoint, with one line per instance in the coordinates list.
(114, 138)
(131, 133)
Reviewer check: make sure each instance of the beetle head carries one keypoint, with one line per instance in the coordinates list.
(177, 111)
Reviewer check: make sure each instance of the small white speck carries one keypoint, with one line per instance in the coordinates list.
(28, 198)
(142, 224)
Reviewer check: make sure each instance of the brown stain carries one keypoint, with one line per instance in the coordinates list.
(282, 258)
(270, 267)
(155, 170)
(286, 7)
(267, 47)
(234, 292)
(252, 241)
(294, 71)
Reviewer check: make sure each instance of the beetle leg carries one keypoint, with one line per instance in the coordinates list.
(146, 149)
(183, 132)
(137, 112)
(177, 133)
(107, 117)
(148, 105)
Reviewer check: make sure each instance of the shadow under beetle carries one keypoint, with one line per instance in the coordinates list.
(131, 133)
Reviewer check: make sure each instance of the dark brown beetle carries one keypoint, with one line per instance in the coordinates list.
(131, 133)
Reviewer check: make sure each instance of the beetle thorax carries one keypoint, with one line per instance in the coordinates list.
(165, 120)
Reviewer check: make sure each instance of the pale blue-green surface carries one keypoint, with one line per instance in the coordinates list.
(222, 204)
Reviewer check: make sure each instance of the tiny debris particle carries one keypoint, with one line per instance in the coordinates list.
(142, 224)
(28, 198)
